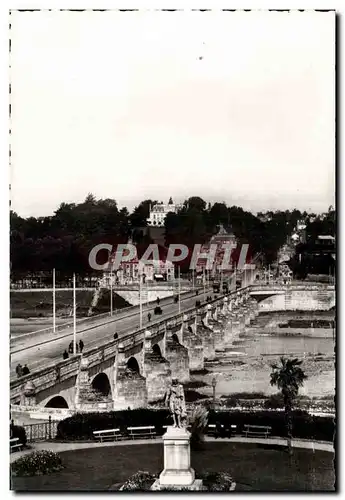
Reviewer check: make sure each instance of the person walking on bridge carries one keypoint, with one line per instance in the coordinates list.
(26, 370)
(81, 346)
(70, 347)
(19, 370)
(65, 354)
(149, 317)
(116, 336)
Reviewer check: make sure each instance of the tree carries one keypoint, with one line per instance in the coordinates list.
(90, 199)
(141, 213)
(196, 202)
(288, 376)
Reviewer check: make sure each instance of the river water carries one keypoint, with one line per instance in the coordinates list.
(245, 365)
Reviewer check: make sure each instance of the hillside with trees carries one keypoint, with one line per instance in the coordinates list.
(63, 241)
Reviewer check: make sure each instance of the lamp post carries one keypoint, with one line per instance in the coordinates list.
(179, 289)
(140, 302)
(214, 383)
(54, 303)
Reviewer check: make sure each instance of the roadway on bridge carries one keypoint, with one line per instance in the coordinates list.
(38, 356)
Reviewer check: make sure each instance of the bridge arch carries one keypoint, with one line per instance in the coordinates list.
(174, 338)
(132, 364)
(101, 384)
(57, 402)
(156, 349)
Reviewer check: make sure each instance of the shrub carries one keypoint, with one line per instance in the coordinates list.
(141, 481)
(16, 431)
(217, 481)
(198, 422)
(274, 401)
(37, 463)
(214, 481)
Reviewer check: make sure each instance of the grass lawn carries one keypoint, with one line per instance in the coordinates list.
(253, 467)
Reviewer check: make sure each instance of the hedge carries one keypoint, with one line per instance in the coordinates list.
(304, 425)
(81, 425)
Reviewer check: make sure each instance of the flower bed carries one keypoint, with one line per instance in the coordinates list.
(212, 482)
(37, 463)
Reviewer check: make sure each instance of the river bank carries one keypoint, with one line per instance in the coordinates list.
(244, 365)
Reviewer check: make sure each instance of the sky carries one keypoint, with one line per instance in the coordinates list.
(236, 107)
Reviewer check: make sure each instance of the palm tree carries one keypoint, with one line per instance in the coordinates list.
(288, 376)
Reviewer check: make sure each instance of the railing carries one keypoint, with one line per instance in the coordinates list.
(42, 431)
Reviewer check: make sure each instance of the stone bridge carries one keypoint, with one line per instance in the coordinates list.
(294, 297)
(136, 369)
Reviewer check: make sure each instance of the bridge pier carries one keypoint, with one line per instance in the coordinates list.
(206, 335)
(83, 385)
(235, 330)
(177, 356)
(130, 386)
(86, 398)
(216, 326)
(246, 313)
(193, 343)
(156, 370)
(227, 328)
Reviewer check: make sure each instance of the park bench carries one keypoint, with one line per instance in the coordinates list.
(113, 434)
(15, 444)
(138, 432)
(257, 430)
(212, 430)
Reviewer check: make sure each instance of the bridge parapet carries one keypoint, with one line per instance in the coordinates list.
(196, 341)
(45, 378)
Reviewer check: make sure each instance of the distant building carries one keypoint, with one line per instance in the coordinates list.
(220, 239)
(133, 271)
(159, 211)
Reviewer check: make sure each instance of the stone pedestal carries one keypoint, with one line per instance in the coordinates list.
(177, 471)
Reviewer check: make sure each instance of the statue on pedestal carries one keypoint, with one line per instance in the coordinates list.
(176, 403)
